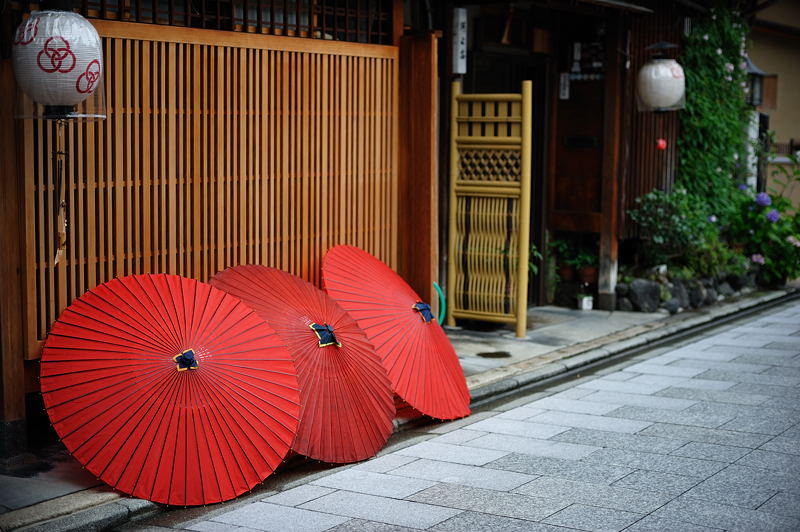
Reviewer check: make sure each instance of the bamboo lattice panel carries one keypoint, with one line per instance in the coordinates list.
(215, 155)
(489, 207)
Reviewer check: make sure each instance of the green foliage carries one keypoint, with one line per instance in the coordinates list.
(767, 228)
(668, 224)
(534, 257)
(713, 123)
(563, 250)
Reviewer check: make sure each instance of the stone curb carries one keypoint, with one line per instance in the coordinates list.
(102, 508)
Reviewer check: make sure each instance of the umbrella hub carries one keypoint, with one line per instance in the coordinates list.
(325, 335)
(424, 311)
(185, 360)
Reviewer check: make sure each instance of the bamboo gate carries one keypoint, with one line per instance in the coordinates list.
(490, 195)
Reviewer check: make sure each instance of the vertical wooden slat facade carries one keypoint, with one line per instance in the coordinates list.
(649, 168)
(490, 185)
(219, 149)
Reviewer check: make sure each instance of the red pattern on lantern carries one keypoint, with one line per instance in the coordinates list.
(56, 50)
(26, 33)
(87, 80)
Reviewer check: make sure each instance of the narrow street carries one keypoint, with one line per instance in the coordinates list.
(704, 435)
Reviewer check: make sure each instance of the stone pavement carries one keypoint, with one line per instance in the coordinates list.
(699, 436)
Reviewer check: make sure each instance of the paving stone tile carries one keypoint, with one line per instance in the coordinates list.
(511, 427)
(519, 444)
(760, 478)
(460, 423)
(660, 524)
(617, 440)
(720, 354)
(758, 425)
(696, 383)
(792, 432)
(722, 366)
(464, 475)
(713, 395)
(650, 401)
(761, 352)
(789, 463)
(273, 517)
(767, 389)
(385, 463)
(732, 493)
(783, 503)
(700, 434)
(554, 467)
(788, 403)
(602, 495)
(380, 484)
(381, 509)
(684, 417)
(710, 514)
(446, 452)
(298, 495)
(691, 467)
(212, 526)
(480, 521)
(669, 371)
(587, 405)
(458, 437)
(586, 421)
(781, 444)
(572, 393)
(624, 387)
(754, 378)
(711, 451)
(783, 371)
(490, 502)
(669, 484)
(759, 411)
(526, 400)
(738, 340)
(362, 525)
(593, 518)
(520, 413)
(793, 347)
(783, 362)
(619, 375)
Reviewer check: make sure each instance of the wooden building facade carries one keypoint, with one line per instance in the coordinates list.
(237, 132)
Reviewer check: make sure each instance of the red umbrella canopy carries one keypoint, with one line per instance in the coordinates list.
(421, 362)
(170, 390)
(345, 395)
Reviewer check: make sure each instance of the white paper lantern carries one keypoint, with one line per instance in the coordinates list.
(58, 58)
(661, 85)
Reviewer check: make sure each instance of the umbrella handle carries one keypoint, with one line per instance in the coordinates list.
(442, 302)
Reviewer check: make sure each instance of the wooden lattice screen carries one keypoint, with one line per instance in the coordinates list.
(490, 183)
(219, 149)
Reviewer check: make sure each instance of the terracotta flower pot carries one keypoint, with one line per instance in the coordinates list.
(566, 272)
(588, 274)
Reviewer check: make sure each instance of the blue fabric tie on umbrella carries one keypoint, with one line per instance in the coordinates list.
(325, 335)
(424, 311)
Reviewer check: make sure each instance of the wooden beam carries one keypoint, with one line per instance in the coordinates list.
(610, 187)
(418, 237)
(12, 371)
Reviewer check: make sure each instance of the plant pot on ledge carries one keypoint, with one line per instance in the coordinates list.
(566, 272)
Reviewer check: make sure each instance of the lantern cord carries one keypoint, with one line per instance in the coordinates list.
(61, 206)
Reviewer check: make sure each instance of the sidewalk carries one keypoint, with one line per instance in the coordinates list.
(699, 436)
(494, 362)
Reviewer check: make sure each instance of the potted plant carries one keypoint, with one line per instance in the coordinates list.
(565, 254)
(585, 263)
(585, 299)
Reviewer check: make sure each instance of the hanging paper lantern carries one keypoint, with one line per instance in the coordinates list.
(58, 58)
(661, 85)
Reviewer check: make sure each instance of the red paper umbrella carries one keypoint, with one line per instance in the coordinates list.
(345, 395)
(421, 362)
(170, 390)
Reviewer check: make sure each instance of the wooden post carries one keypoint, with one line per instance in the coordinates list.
(455, 91)
(524, 208)
(12, 370)
(418, 227)
(607, 281)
